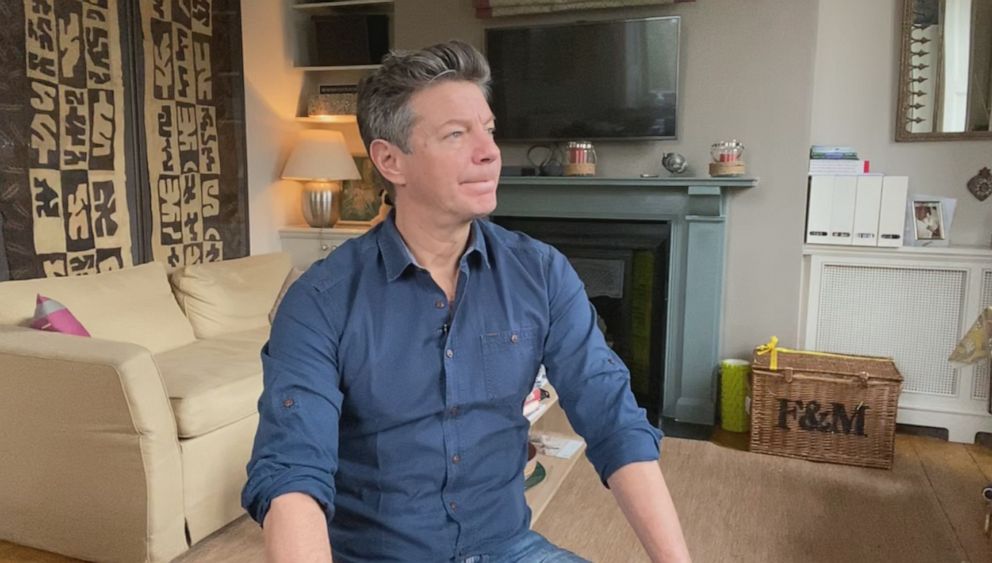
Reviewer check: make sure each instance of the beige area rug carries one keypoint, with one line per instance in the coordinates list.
(744, 507)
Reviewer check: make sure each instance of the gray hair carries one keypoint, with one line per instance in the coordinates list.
(384, 95)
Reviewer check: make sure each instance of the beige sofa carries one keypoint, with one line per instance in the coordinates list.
(131, 445)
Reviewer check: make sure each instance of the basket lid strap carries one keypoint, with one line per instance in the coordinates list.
(861, 377)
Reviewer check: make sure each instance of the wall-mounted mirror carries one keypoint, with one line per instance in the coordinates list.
(945, 71)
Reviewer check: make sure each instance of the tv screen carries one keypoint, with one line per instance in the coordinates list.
(592, 80)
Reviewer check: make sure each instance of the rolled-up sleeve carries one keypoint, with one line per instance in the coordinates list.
(296, 445)
(592, 382)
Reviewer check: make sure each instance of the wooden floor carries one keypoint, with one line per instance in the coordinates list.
(952, 474)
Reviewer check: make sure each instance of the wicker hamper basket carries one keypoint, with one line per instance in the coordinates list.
(824, 407)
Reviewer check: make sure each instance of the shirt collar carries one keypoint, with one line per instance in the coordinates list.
(397, 256)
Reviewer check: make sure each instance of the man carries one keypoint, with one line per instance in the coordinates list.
(391, 424)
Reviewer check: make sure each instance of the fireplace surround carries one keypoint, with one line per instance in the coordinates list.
(695, 211)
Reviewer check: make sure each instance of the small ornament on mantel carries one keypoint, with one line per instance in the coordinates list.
(980, 185)
(727, 159)
(674, 162)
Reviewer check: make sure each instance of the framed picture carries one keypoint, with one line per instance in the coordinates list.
(928, 220)
(360, 198)
(929, 223)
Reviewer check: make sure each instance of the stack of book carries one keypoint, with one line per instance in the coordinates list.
(827, 160)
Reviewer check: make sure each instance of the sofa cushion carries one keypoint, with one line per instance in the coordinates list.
(213, 383)
(131, 305)
(230, 296)
(53, 316)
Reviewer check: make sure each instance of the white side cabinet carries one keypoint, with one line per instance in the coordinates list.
(306, 245)
(911, 304)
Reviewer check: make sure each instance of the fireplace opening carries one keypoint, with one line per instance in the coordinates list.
(624, 266)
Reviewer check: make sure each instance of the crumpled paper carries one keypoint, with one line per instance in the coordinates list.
(977, 342)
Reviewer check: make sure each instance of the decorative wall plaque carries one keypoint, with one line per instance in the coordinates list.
(980, 185)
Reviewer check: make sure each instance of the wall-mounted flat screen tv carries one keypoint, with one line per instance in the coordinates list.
(589, 80)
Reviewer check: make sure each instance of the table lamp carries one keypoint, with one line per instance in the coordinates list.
(320, 160)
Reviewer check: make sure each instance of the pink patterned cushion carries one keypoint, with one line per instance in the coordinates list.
(53, 316)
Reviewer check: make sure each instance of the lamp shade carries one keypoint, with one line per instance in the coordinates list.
(320, 156)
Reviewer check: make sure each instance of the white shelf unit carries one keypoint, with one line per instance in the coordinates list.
(304, 11)
(912, 304)
(345, 6)
(305, 245)
(550, 419)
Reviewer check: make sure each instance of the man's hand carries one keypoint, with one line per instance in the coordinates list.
(295, 530)
(640, 490)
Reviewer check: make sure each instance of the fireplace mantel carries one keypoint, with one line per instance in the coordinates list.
(696, 211)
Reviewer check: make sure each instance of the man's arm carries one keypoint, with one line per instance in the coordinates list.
(290, 487)
(642, 495)
(295, 530)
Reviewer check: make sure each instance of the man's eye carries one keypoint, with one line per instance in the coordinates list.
(492, 131)
(454, 134)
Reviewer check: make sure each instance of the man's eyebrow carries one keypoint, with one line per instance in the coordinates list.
(459, 121)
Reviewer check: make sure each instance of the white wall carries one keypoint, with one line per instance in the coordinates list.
(854, 101)
(272, 92)
(746, 73)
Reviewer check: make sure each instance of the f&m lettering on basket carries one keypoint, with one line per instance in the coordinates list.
(812, 416)
(824, 407)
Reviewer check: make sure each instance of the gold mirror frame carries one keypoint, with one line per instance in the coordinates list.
(902, 104)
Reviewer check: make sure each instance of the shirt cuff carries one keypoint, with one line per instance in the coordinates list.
(630, 445)
(320, 492)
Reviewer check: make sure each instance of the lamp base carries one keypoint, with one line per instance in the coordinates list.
(322, 204)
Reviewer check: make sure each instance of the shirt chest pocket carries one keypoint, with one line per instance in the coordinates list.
(510, 362)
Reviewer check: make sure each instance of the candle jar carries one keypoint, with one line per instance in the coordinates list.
(580, 159)
(728, 158)
(727, 151)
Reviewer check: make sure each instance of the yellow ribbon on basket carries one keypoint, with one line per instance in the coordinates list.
(772, 347)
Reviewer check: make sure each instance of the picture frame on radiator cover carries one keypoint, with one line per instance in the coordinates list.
(929, 219)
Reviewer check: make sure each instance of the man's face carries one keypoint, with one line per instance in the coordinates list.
(453, 166)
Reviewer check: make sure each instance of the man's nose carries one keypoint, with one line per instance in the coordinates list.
(486, 150)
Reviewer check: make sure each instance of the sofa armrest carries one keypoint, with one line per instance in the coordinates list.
(92, 464)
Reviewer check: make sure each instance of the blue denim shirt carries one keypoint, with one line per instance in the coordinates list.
(401, 413)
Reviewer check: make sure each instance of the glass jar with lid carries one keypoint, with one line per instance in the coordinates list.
(580, 159)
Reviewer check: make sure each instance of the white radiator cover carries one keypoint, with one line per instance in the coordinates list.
(980, 390)
(911, 304)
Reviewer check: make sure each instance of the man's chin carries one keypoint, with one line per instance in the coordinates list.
(482, 187)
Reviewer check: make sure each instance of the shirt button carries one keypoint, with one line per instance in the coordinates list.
(453, 411)
(439, 304)
(450, 353)
(453, 505)
(514, 338)
(456, 459)
(288, 403)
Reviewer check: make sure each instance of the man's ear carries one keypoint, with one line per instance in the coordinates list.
(387, 158)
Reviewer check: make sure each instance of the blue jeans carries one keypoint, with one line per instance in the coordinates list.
(530, 548)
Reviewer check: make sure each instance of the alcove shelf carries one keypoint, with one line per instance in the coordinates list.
(305, 13)
(327, 119)
(346, 6)
(336, 68)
